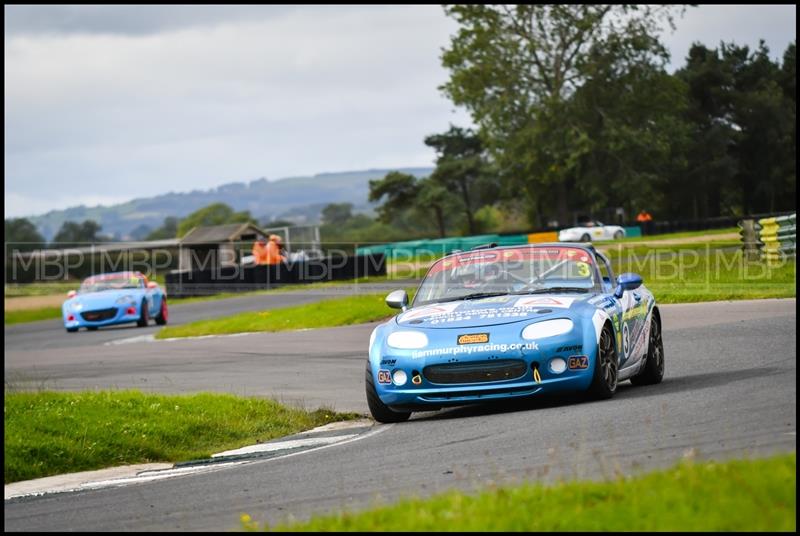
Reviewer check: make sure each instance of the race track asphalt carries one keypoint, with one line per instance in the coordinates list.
(729, 391)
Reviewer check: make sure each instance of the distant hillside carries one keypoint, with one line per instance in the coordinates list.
(298, 199)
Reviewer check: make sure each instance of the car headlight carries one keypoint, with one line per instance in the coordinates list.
(75, 306)
(407, 340)
(547, 328)
(124, 300)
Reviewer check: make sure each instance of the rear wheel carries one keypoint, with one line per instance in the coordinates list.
(586, 237)
(618, 235)
(653, 370)
(144, 316)
(604, 381)
(161, 319)
(380, 411)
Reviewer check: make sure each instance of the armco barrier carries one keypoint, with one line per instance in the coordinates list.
(769, 238)
(247, 278)
(779, 236)
(538, 238)
(633, 231)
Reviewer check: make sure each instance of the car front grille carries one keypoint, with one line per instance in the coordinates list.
(99, 315)
(476, 372)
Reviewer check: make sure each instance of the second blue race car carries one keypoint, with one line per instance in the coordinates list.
(507, 322)
(115, 298)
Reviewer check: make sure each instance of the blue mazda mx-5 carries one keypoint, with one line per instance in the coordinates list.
(506, 322)
(114, 298)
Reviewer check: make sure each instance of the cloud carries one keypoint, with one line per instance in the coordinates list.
(117, 102)
(192, 107)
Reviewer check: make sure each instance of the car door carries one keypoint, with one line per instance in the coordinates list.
(630, 319)
(596, 231)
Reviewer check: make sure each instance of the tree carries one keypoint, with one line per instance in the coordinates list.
(73, 234)
(22, 235)
(214, 214)
(168, 229)
(434, 197)
(405, 195)
(516, 68)
(460, 167)
(337, 213)
(400, 191)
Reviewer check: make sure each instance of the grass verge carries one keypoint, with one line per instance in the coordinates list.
(681, 274)
(31, 315)
(743, 495)
(323, 314)
(49, 433)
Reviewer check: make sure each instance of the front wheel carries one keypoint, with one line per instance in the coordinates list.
(604, 381)
(144, 316)
(161, 318)
(72, 330)
(380, 411)
(618, 235)
(653, 370)
(586, 237)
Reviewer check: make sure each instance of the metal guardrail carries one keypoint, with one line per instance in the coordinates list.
(769, 238)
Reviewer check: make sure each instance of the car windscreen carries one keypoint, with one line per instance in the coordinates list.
(525, 270)
(99, 284)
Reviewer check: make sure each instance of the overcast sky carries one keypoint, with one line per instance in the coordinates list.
(107, 103)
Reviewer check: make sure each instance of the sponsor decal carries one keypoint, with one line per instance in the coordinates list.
(476, 348)
(578, 362)
(388, 362)
(428, 311)
(572, 348)
(626, 339)
(544, 301)
(494, 299)
(639, 310)
(473, 338)
(384, 376)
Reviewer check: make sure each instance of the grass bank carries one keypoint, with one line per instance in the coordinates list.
(681, 274)
(323, 314)
(49, 433)
(745, 495)
(31, 315)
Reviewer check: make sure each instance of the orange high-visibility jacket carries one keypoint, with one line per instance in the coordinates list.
(273, 254)
(260, 253)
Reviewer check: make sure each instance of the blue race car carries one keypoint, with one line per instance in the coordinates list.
(114, 298)
(507, 322)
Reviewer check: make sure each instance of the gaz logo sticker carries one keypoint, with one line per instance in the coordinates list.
(473, 338)
(577, 362)
(384, 376)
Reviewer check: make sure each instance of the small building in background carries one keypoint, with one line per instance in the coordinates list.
(213, 247)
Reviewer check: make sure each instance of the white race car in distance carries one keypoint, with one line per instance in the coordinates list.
(591, 230)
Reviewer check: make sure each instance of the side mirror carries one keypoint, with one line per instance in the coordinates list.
(397, 299)
(71, 294)
(627, 281)
(152, 284)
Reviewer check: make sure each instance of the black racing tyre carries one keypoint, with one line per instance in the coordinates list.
(586, 237)
(144, 316)
(653, 370)
(161, 317)
(72, 330)
(618, 235)
(604, 381)
(380, 411)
